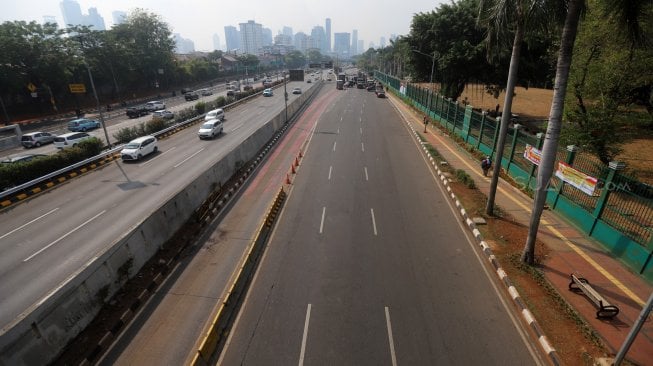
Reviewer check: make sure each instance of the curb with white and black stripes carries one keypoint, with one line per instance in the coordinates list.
(525, 313)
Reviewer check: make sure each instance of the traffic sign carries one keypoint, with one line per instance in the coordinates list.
(77, 88)
(31, 87)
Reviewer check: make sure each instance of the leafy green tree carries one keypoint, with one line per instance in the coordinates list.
(295, 59)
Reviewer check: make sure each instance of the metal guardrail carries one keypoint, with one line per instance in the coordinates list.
(27, 185)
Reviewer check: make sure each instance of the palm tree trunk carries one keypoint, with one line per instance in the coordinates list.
(505, 116)
(555, 124)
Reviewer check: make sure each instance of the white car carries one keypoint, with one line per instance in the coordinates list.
(70, 139)
(155, 105)
(215, 114)
(163, 114)
(210, 129)
(138, 148)
(297, 91)
(268, 92)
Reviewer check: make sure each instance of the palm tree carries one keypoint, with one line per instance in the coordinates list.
(498, 16)
(627, 14)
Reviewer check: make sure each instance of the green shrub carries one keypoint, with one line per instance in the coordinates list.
(200, 107)
(465, 179)
(155, 125)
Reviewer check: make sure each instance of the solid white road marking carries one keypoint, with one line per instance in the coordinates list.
(373, 221)
(64, 236)
(308, 318)
(22, 226)
(322, 221)
(330, 169)
(366, 176)
(390, 338)
(188, 158)
(334, 145)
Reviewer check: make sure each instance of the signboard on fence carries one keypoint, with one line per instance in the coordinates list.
(577, 179)
(77, 88)
(533, 155)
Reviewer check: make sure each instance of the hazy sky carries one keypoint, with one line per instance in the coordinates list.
(198, 20)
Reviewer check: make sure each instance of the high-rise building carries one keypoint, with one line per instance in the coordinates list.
(183, 45)
(72, 15)
(354, 43)
(50, 19)
(232, 37)
(283, 39)
(301, 41)
(361, 46)
(328, 34)
(341, 44)
(95, 20)
(287, 31)
(382, 42)
(216, 42)
(118, 16)
(267, 36)
(319, 39)
(251, 37)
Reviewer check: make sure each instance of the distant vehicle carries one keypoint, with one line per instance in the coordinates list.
(297, 91)
(138, 148)
(70, 139)
(185, 90)
(380, 93)
(206, 92)
(210, 129)
(155, 105)
(308, 81)
(36, 139)
(191, 96)
(137, 111)
(371, 87)
(83, 125)
(267, 92)
(22, 158)
(215, 114)
(163, 114)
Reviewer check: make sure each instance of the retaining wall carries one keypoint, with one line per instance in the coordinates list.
(39, 334)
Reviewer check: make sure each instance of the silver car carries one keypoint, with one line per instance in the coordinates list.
(36, 139)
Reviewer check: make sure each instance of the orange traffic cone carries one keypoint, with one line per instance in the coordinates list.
(288, 179)
(296, 162)
(292, 169)
(300, 154)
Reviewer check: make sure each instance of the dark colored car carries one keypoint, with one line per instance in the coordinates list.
(191, 96)
(137, 111)
(185, 90)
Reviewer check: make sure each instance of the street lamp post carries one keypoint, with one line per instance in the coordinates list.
(430, 80)
(97, 101)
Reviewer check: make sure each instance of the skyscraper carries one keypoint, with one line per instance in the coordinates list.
(319, 39)
(72, 13)
(328, 34)
(95, 20)
(183, 45)
(341, 44)
(301, 41)
(216, 42)
(287, 31)
(354, 43)
(251, 37)
(361, 46)
(232, 37)
(266, 33)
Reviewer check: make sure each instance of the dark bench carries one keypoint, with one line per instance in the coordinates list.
(605, 309)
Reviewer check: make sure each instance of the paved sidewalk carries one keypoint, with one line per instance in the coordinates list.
(571, 252)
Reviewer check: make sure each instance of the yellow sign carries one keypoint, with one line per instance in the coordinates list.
(31, 87)
(577, 179)
(77, 88)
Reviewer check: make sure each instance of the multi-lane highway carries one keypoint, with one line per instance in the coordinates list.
(369, 264)
(47, 239)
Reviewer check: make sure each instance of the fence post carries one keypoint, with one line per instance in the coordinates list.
(571, 155)
(516, 126)
(480, 132)
(467, 122)
(605, 192)
(494, 140)
(540, 141)
(455, 117)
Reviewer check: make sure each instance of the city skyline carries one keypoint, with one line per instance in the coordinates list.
(198, 21)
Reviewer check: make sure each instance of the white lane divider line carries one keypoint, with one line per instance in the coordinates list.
(322, 221)
(361, 130)
(304, 336)
(23, 225)
(64, 236)
(363, 146)
(366, 176)
(338, 131)
(373, 221)
(158, 156)
(390, 338)
(334, 145)
(330, 169)
(188, 158)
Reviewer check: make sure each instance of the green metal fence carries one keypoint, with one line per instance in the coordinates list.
(619, 213)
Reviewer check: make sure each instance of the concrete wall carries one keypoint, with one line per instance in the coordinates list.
(40, 334)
